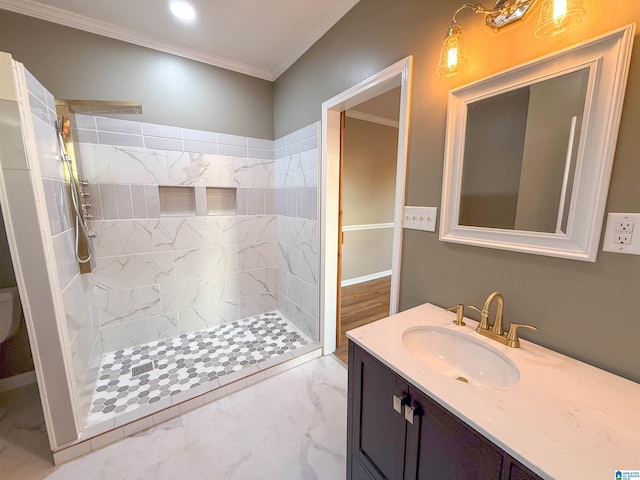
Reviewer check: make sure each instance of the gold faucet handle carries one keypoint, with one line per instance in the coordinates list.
(484, 320)
(459, 309)
(512, 336)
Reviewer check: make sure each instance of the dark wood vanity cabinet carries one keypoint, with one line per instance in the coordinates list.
(395, 432)
(379, 431)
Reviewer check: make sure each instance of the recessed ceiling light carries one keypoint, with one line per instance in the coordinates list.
(182, 10)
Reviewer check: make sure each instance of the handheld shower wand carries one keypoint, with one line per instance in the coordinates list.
(75, 197)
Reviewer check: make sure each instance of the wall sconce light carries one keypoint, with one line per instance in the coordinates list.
(556, 16)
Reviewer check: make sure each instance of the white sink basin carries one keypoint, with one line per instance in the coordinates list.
(460, 356)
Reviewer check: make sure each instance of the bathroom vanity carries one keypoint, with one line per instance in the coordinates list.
(409, 418)
(427, 438)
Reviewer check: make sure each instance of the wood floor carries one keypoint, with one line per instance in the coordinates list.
(361, 304)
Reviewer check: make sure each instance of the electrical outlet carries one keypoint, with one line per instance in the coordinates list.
(622, 239)
(619, 237)
(624, 227)
(420, 218)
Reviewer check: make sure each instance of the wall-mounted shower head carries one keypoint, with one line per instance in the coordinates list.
(101, 107)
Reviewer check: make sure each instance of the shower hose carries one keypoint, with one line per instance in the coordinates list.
(75, 195)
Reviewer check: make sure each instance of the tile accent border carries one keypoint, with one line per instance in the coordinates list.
(142, 201)
(127, 133)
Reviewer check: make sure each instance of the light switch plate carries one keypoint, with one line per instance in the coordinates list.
(420, 218)
(622, 234)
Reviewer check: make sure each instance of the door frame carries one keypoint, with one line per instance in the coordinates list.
(397, 75)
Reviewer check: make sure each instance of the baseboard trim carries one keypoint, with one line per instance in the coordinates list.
(365, 278)
(17, 381)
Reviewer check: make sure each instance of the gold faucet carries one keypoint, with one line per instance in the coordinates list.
(496, 332)
(512, 336)
(497, 323)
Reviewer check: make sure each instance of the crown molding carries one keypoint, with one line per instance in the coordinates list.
(328, 20)
(80, 22)
(372, 118)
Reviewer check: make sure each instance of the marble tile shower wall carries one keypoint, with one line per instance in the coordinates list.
(159, 276)
(296, 184)
(77, 290)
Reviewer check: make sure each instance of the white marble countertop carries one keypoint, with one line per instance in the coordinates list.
(563, 419)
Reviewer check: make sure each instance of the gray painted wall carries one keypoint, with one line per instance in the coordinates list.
(369, 172)
(366, 252)
(368, 194)
(386, 105)
(174, 91)
(586, 310)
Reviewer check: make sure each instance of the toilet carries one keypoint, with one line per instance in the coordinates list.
(10, 312)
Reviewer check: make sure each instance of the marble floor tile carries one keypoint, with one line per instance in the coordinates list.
(24, 446)
(289, 427)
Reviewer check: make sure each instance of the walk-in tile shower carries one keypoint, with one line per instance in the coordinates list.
(205, 251)
(187, 240)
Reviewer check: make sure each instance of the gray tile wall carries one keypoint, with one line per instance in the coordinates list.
(111, 201)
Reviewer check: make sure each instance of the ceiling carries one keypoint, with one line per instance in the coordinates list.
(261, 38)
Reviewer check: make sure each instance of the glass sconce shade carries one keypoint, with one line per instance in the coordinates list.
(557, 16)
(452, 55)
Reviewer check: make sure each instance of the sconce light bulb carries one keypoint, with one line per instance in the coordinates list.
(452, 58)
(558, 16)
(559, 10)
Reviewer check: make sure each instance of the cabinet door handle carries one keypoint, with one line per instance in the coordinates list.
(399, 402)
(411, 411)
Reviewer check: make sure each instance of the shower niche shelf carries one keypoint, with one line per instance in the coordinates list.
(177, 201)
(221, 201)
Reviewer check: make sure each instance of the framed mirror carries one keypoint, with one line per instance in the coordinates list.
(529, 151)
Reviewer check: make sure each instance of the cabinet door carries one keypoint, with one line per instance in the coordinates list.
(441, 446)
(376, 431)
(357, 471)
(516, 471)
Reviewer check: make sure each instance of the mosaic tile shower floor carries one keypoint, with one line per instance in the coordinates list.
(187, 361)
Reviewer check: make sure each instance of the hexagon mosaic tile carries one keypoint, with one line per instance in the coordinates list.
(187, 361)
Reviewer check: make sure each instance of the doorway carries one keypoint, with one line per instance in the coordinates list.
(367, 201)
(396, 76)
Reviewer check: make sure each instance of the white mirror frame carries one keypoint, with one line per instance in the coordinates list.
(607, 58)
